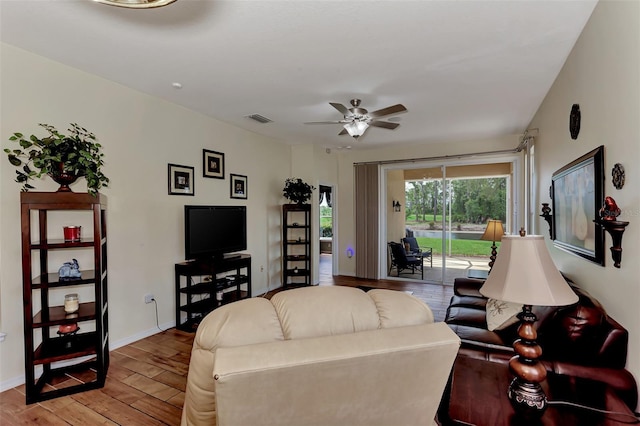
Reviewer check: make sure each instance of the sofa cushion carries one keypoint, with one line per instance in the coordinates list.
(467, 287)
(463, 315)
(468, 301)
(304, 312)
(501, 314)
(395, 309)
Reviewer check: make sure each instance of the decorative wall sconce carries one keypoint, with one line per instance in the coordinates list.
(608, 215)
(397, 207)
(546, 215)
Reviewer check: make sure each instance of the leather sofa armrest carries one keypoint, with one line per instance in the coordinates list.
(619, 379)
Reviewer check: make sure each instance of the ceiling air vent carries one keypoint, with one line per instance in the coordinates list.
(259, 118)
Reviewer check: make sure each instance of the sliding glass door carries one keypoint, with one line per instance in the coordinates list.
(446, 208)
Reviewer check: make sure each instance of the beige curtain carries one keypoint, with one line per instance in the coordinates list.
(366, 211)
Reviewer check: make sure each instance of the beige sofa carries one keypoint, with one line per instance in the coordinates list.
(319, 356)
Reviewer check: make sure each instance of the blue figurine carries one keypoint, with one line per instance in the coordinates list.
(69, 270)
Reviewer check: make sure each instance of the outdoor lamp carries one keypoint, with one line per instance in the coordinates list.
(525, 274)
(493, 233)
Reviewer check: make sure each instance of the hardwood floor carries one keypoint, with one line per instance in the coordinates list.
(146, 379)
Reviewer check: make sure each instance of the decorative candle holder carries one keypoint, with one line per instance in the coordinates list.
(615, 228)
(72, 233)
(71, 303)
(67, 333)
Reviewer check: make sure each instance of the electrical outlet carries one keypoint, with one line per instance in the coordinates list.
(148, 298)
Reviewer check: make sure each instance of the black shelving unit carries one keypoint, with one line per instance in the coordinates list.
(203, 285)
(296, 245)
(85, 352)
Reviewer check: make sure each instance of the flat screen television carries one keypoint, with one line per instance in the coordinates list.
(214, 231)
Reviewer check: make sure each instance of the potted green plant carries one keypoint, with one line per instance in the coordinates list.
(65, 158)
(297, 191)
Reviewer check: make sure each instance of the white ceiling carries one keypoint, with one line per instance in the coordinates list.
(465, 70)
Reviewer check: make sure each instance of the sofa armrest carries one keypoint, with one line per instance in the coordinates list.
(619, 379)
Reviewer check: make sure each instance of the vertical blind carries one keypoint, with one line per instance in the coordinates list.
(366, 220)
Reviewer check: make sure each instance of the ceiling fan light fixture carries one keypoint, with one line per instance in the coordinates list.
(356, 128)
(136, 4)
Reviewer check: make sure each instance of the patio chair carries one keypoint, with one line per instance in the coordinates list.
(415, 250)
(402, 261)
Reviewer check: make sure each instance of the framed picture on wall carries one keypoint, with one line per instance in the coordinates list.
(213, 164)
(239, 186)
(577, 195)
(180, 180)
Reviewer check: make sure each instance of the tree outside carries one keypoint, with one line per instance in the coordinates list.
(473, 201)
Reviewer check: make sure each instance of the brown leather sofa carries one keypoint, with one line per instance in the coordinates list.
(579, 340)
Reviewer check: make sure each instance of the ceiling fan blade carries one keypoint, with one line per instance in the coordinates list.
(343, 109)
(383, 124)
(394, 109)
(343, 132)
(326, 122)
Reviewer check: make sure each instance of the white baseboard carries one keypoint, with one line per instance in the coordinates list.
(19, 380)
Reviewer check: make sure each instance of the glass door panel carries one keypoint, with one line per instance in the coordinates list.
(446, 209)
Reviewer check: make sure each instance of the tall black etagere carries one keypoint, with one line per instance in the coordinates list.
(296, 245)
(50, 354)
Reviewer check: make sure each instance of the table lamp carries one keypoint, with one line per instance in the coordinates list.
(493, 233)
(525, 273)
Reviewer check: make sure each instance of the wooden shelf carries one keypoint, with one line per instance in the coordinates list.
(56, 349)
(54, 280)
(58, 316)
(296, 245)
(41, 326)
(61, 244)
(232, 276)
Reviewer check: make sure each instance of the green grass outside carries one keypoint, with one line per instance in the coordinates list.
(427, 219)
(325, 221)
(458, 247)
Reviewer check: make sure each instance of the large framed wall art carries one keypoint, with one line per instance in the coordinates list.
(577, 195)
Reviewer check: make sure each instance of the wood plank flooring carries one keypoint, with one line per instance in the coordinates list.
(146, 380)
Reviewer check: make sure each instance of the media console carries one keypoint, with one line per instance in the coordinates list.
(204, 285)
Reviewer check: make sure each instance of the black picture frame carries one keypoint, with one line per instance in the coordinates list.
(212, 164)
(239, 187)
(577, 191)
(181, 180)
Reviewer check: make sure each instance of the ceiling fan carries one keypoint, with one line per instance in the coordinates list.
(356, 120)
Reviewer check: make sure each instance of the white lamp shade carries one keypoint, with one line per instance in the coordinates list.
(525, 273)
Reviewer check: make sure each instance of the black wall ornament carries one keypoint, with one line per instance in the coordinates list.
(574, 121)
(617, 174)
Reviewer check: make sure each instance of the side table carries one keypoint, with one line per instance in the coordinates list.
(481, 274)
(478, 396)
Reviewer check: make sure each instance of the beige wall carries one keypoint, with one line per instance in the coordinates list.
(140, 135)
(395, 192)
(602, 74)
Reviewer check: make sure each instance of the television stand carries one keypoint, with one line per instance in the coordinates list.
(231, 256)
(203, 285)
